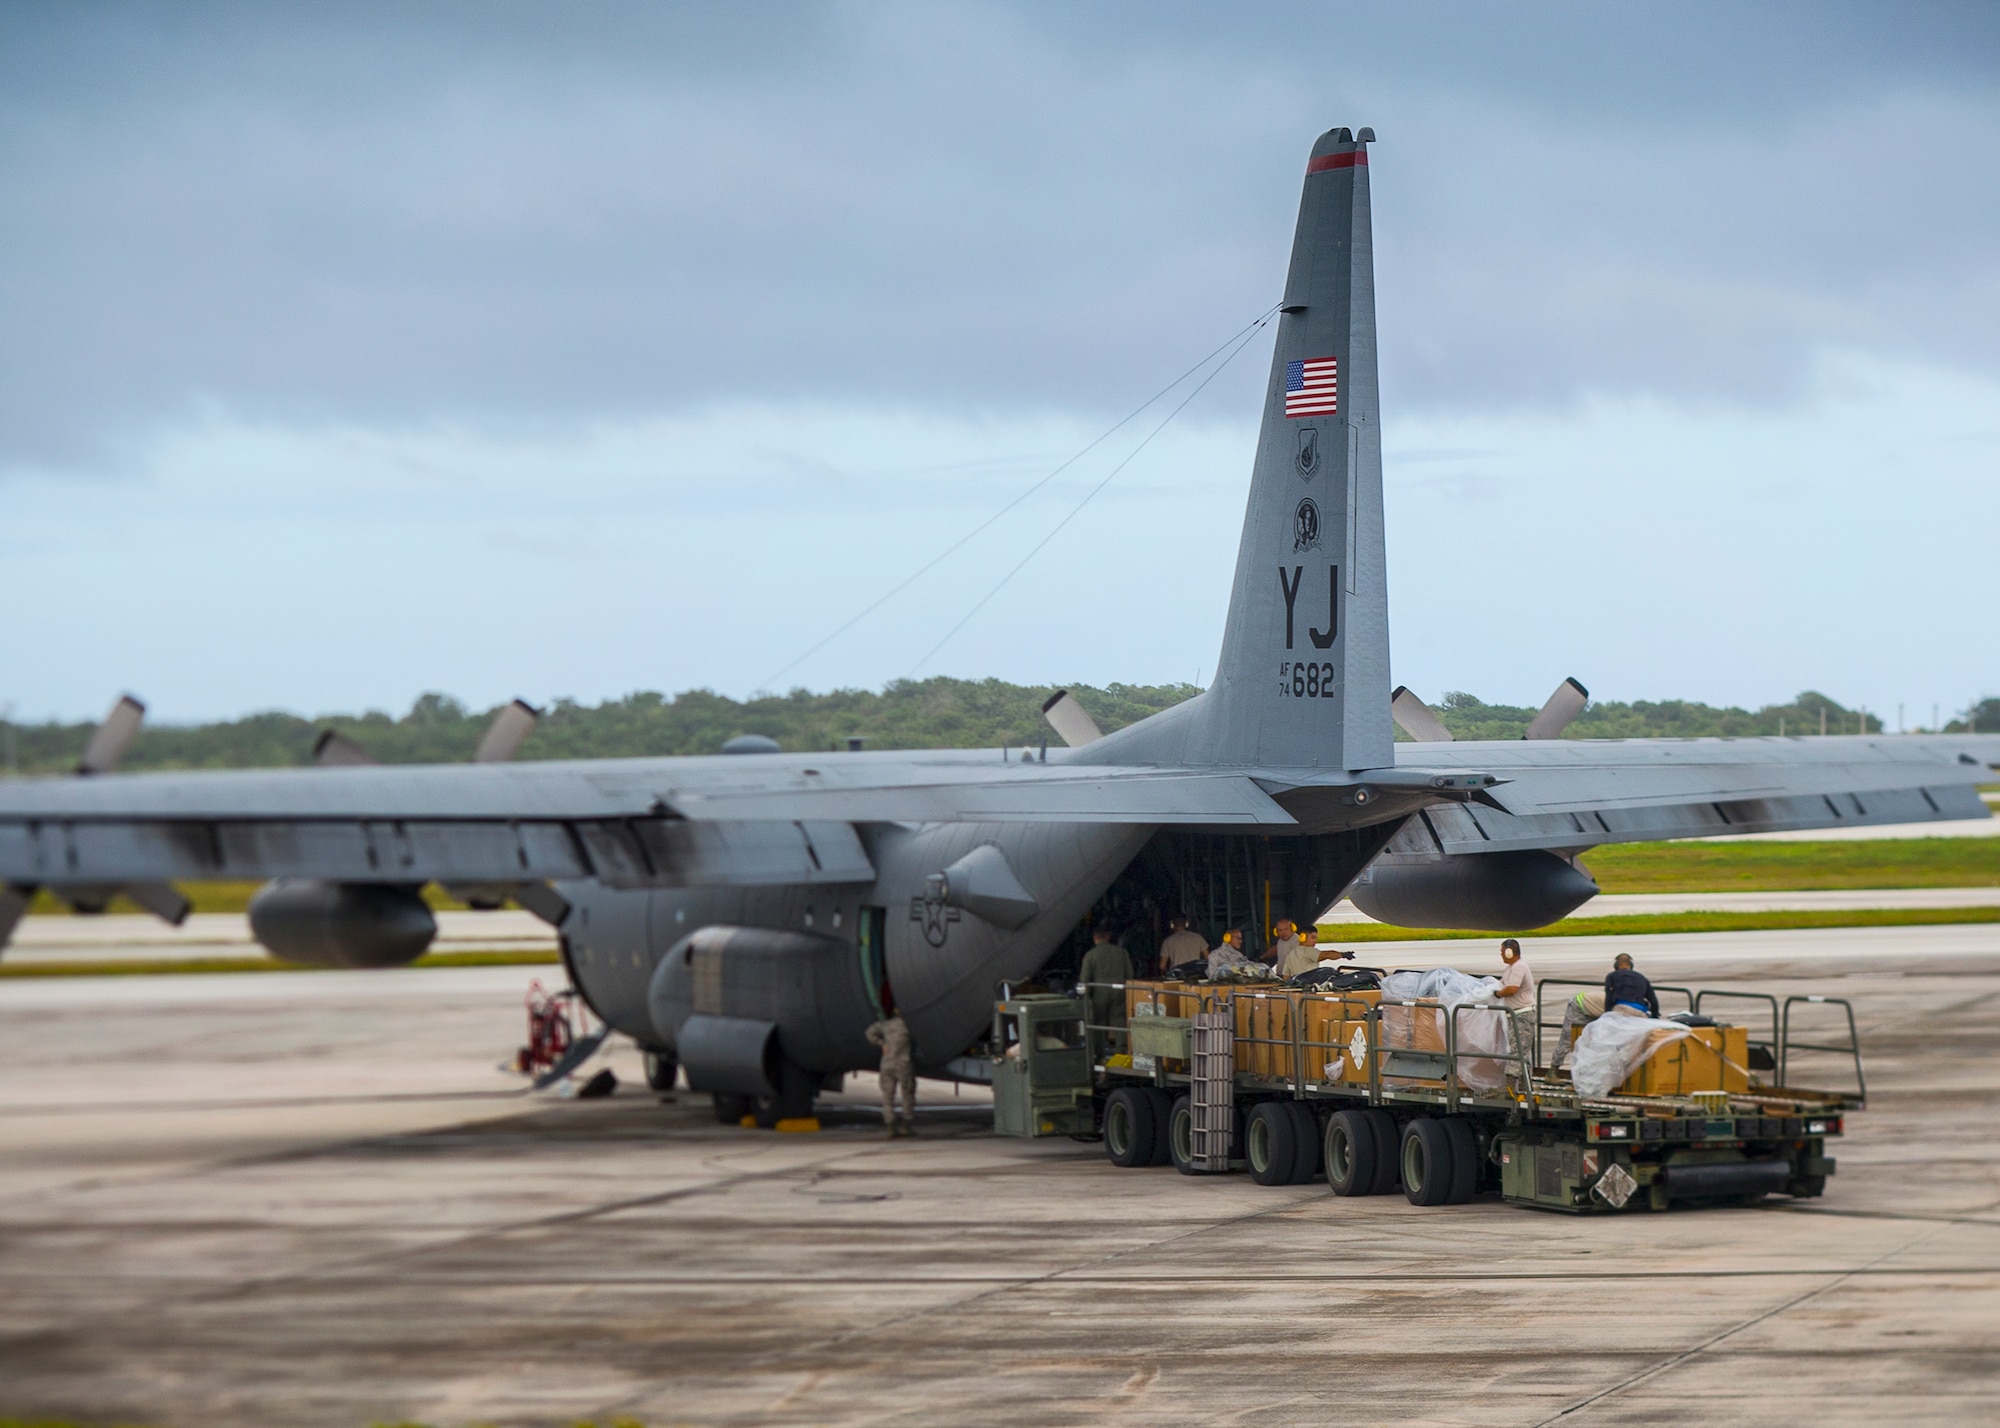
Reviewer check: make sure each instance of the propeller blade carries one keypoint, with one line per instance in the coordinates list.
(113, 737)
(505, 735)
(163, 900)
(1070, 720)
(14, 900)
(334, 750)
(1414, 717)
(1560, 712)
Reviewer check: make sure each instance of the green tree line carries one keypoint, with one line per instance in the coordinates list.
(908, 714)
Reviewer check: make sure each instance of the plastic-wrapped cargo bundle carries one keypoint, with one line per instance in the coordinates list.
(1608, 1048)
(1427, 1028)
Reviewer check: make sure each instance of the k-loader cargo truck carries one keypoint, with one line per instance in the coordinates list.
(1444, 1100)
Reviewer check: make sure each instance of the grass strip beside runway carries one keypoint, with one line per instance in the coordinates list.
(1796, 867)
(1653, 923)
(185, 966)
(1335, 935)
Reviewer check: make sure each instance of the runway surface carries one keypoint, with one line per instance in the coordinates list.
(135, 938)
(313, 1200)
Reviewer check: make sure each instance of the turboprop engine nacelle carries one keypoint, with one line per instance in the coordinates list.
(1499, 892)
(326, 924)
(732, 1002)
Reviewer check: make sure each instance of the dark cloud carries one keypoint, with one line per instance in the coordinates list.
(536, 215)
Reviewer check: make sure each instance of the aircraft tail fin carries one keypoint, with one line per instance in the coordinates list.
(1303, 680)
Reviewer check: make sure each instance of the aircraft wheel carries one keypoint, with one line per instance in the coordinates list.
(730, 1108)
(1388, 1163)
(1464, 1159)
(1180, 1134)
(1270, 1143)
(794, 1099)
(1428, 1163)
(1305, 1169)
(1349, 1153)
(1131, 1127)
(661, 1071)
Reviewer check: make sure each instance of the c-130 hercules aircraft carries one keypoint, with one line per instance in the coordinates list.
(749, 916)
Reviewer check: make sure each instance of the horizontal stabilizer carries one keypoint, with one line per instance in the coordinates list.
(113, 737)
(505, 735)
(1560, 712)
(1414, 717)
(1070, 720)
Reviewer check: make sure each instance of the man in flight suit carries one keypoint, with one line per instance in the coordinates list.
(1105, 964)
(892, 1034)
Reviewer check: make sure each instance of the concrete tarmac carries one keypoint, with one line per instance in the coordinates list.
(312, 1200)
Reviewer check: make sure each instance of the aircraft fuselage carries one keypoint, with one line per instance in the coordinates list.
(940, 964)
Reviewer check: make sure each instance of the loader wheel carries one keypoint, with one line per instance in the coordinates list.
(1464, 1160)
(1305, 1169)
(1131, 1127)
(1163, 1114)
(1428, 1163)
(1388, 1164)
(1349, 1153)
(1180, 1135)
(1270, 1143)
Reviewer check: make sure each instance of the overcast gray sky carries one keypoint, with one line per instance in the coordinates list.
(351, 351)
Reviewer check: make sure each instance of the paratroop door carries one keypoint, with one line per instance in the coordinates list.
(868, 933)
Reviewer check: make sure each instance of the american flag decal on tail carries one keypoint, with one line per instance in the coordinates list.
(1310, 388)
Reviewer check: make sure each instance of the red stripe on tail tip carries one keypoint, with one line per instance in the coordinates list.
(1358, 158)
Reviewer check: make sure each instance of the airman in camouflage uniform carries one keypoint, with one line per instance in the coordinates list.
(892, 1034)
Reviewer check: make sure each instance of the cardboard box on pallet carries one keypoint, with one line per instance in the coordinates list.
(1708, 1058)
(1170, 998)
(1331, 1021)
(1418, 1028)
(1160, 997)
(1264, 1031)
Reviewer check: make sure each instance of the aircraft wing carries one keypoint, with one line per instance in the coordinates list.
(1574, 794)
(628, 822)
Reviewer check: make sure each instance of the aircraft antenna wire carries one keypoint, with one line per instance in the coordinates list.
(1242, 340)
(1236, 339)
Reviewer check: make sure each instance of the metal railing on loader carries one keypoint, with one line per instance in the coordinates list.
(1215, 1040)
(1786, 1046)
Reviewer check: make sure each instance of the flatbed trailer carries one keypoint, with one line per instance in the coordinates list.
(1443, 1102)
